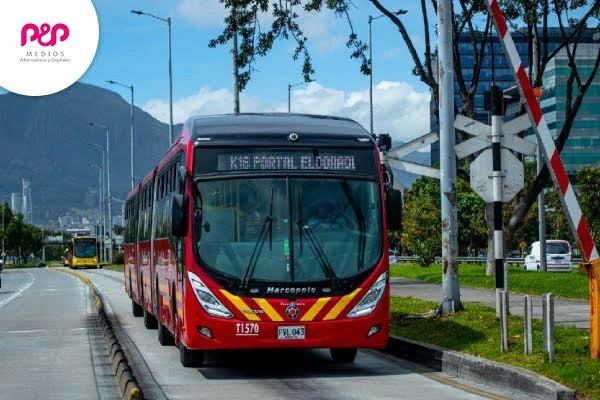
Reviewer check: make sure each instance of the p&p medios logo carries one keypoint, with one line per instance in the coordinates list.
(37, 34)
(46, 46)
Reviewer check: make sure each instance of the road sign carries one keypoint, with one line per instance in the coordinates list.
(483, 136)
(481, 176)
(393, 157)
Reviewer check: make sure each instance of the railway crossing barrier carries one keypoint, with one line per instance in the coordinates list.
(557, 170)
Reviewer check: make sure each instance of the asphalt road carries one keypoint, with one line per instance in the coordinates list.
(50, 343)
(281, 374)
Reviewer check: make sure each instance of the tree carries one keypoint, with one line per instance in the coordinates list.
(588, 188)
(472, 230)
(469, 16)
(421, 233)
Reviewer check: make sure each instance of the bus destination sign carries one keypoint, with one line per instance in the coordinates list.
(279, 161)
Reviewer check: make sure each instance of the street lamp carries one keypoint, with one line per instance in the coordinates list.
(100, 213)
(168, 21)
(102, 196)
(371, 18)
(290, 92)
(107, 186)
(132, 125)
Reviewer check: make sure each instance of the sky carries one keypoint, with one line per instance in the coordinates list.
(133, 50)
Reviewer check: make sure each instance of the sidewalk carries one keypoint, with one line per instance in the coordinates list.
(566, 312)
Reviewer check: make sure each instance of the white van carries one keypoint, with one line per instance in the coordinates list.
(558, 256)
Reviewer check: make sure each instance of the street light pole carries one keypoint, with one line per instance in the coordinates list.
(168, 21)
(110, 258)
(290, 93)
(100, 212)
(130, 87)
(102, 220)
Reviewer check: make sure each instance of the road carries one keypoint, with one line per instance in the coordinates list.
(50, 343)
(281, 375)
(566, 312)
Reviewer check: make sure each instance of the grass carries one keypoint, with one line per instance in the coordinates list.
(114, 267)
(572, 285)
(476, 331)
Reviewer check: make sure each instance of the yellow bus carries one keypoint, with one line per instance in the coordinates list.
(82, 253)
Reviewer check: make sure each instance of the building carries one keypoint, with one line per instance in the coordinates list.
(496, 70)
(583, 146)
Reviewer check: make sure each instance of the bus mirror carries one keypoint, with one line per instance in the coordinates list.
(178, 219)
(182, 174)
(393, 205)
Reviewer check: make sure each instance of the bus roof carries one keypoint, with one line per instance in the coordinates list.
(270, 123)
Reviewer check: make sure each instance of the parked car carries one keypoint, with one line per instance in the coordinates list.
(393, 255)
(558, 256)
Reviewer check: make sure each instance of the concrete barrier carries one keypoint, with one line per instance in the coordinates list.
(478, 370)
(128, 385)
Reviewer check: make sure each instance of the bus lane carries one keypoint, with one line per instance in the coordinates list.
(263, 374)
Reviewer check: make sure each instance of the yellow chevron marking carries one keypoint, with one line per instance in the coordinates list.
(241, 305)
(270, 311)
(314, 310)
(337, 309)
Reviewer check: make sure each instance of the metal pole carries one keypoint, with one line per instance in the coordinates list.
(43, 247)
(236, 87)
(2, 255)
(132, 135)
(496, 95)
(109, 196)
(527, 327)
(450, 285)
(540, 165)
(100, 180)
(289, 98)
(503, 321)
(548, 321)
(170, 90)
(103, 206)
(371, 74)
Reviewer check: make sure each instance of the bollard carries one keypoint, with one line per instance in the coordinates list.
(548, 321)
(503, 321)
(592, 270)
(527, 317)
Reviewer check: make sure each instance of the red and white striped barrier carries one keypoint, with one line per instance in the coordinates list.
(557, 170)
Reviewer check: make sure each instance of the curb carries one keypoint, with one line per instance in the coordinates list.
(128, 385)
(479, 370)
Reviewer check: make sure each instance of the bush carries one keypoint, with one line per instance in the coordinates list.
(118, 259)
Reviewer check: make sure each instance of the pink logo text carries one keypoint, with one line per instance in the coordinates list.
(38, 33)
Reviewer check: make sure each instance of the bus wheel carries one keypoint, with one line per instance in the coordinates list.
(136, 309)
(343, 355)
(149, 320)
(165, 337)
(190, 358)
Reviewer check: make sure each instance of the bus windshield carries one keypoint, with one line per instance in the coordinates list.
(288, 229)
(84, 248)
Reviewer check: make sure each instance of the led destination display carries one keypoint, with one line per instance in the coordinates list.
(351, 161)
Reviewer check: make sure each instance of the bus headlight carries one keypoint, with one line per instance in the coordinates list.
(207, 299)
(370, 300)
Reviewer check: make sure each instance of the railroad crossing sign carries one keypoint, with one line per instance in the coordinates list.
(481, 168)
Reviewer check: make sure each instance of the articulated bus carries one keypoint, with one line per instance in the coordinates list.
(82, 252)
(263, 231)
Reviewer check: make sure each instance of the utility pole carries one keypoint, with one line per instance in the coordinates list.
(450, 286)
(234, 52)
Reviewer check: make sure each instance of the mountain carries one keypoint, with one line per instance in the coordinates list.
(46, 140)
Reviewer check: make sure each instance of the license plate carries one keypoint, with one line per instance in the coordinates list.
(291, 332)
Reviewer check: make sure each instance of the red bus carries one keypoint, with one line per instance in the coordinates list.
(263, 231)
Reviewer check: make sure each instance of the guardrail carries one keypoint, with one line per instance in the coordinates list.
(472, 260)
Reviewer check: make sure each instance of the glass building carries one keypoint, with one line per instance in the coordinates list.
(496, 70)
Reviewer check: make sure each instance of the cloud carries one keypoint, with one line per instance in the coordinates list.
(205, 13)
(398, 108)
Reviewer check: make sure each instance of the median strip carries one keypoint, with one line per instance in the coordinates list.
(128, 385)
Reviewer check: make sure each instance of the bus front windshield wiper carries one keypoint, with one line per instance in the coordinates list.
(266, 230)
(319, 253)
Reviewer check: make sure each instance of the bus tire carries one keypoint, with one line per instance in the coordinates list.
(165, 337)
(343, 356)
(149, 320)
(136, 309)
(190, 358)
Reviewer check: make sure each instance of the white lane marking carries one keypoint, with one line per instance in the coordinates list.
(18, 292)
(46, 330)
